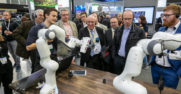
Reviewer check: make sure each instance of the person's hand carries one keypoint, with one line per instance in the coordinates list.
(9, 32)
(73, 61)
(50, 40)
(6, 32)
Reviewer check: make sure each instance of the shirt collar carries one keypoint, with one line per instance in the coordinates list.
(173, 29)
(112, 29)
(177, 25)
(92, 30)
(129, 28)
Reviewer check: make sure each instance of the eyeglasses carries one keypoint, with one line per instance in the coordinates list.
(65, 14)
(113, 22)
(90, 21)
(167, 15)
(127, 18)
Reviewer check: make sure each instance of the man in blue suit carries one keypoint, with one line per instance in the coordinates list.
(169, 69)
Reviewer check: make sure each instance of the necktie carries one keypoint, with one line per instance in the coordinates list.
(92, 42)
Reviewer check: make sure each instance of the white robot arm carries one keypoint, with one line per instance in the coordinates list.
(45, 61)
(154, 46)
(73, 42)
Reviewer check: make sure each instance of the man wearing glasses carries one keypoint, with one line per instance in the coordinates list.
(69, 27)
(92, 57)
(109, 36)
(162, 66)
(124, 38)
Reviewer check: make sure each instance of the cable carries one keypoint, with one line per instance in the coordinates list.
(161, 80)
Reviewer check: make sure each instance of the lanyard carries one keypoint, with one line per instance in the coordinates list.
(92, 35)
(7, 27)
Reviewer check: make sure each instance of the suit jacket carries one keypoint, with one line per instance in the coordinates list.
(6, 68)
(84, 32)
(13, 25)
(79, 26)
(109, 37)
(134, 36)
(176, 64)
(72, 25)
(20, 34)
(102, 27)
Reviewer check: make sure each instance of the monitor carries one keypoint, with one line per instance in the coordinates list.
(79, 8)
(158, 13)
(95, 7)
(145, 11)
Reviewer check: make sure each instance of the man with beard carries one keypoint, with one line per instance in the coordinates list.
(164, 68)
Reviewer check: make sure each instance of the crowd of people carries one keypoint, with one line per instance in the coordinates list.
(111, 40)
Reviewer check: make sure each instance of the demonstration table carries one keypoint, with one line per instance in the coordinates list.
(95, 82)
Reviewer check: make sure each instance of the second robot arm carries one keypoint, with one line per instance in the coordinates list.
(154, 46)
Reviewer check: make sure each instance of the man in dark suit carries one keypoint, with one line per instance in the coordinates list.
(125, 37)
(109, 36)
(93, 55)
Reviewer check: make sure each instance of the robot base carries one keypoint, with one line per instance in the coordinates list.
(48, 90)
(124, 86)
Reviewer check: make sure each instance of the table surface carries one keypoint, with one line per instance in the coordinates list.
(92, 83)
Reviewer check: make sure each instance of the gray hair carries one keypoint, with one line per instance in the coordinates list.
(37, 11)
(64, 9)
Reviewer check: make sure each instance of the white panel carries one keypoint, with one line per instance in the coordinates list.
(3, 1)
(162, 3)
(63, 3)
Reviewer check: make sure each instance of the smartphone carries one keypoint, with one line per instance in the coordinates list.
(79, 72)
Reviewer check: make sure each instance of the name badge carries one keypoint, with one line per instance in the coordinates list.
(50, 47)
(3, 60)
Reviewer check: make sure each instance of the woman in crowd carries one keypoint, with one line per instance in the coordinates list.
(6, 69)
(143, 24)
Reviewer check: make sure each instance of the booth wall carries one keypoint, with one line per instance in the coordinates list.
(127, 3)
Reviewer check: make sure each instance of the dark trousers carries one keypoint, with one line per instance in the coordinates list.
(108, 63)
(6, 77)
(95, 61)
(169, 75)
(33, 60)
(119, 64)
(82, 62)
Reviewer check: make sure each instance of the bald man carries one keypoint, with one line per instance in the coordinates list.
(92, 56)
(125, 37)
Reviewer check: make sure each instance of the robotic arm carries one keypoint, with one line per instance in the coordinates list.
(45, 61)
(154, 46)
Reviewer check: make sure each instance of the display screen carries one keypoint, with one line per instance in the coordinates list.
(79, 8)
(145, 11)
(158, 14)
(95, 7)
